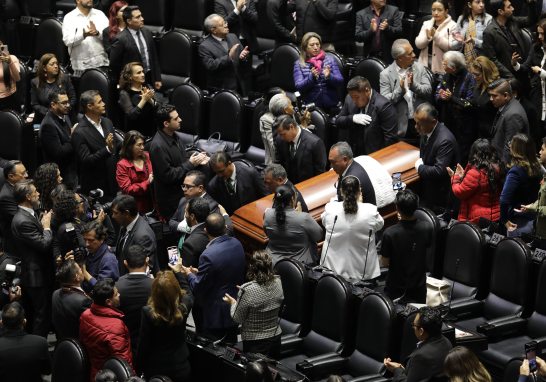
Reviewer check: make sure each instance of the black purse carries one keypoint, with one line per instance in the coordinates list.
(212, 145)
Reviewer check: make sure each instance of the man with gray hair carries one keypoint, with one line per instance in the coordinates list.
(407, 85)
(438, 151)
(222, 54)
(280, 104)
(275, 176)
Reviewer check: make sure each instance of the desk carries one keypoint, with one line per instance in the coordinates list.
(317, 191)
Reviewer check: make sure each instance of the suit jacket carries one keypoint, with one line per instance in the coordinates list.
(241, 24)
(380, 133)
(8, 209)
(124, 50)
(509, 122)
(281, 21)
(68, 305)
(368, 192)
(249, 188)
(221, 269)
(181, 212)
(57, 147)
(304, 207)
(315, 16)
(134, 290)
(24, 357)
(33, 243)
(39, 101)
(142, 235)
(310, 156)
(222, 71)
(97, 165)
(392, 91)
(496, 45)
(426, 363)
(393, 32)
(440, 152)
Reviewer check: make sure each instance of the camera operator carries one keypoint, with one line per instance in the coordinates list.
(280, 104)
(10, 291)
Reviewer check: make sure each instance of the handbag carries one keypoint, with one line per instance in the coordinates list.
(212, 145)
(437, 291)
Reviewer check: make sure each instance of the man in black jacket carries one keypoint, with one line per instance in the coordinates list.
(241, 18)
(235, 184)
(275, 176)
(70, 301)
(222, 54)
(134, 288)
(503, 37)
(371, 118)
(14, 172)
(95, 143)
(426, 363)
(299, 151)
(438, 150)
(135, 44)
(343, 164)
(170, 162)
(55, 138)
(23, 357)
(377, 26)
(33, 242)
(282, 21)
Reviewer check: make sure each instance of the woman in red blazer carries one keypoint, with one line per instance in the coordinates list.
(479, 185)
(134, 173)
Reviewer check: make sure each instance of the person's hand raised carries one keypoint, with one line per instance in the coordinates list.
(315, 72)
(110, 142)
(46, 219)
(460, 170)
(373, 26)
(326, 71)
(233, 50)
(230, 300)
(458, 37)
(73, 128)
(515, 59)
(244, 54)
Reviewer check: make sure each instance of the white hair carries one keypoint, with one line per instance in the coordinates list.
(454, 60)
(210, 23)
(399, 47)
(278, 103)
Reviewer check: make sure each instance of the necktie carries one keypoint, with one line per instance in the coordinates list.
(224, 45)
(229, 184)
(122, 235)
(292, 150)
(339, 196)
(425, 140)
(140, 43)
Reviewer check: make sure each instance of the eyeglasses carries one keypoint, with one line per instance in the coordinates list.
(415, 326)
(187, 187)
(21, 173)
(64, 103)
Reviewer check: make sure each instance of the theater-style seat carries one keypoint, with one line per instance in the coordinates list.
(371, 68)
(527, 40)
(256, 151)
(282, 66)
(49, 39)
(17, 142)
(426, 215)
(227, 117)
(70, 362)
(98, 79)
(189, 15)
(322, 127)
(41, 8)
(121, 368)
(176, 68)
(187, 98)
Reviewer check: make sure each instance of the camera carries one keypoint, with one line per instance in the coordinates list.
(79, 251)
(10, 280)
(301, 107)
(94, 204)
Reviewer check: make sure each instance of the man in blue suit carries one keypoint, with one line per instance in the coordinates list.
(221, 270)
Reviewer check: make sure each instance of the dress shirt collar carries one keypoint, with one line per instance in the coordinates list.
(137, 273)
(78, 288)
(29, 210)
(134, 32)
(63, 118)
(195, 226)
(91, 13)
(98, 126)
(380, 11)
(297, 138)
(210, 242)
(217, 38)
(399, 69)
(434, 128)
(131, 225)
(502, 108)
(233, 176)
(348, 167)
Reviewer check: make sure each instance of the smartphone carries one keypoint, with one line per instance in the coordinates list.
(173, 255)
(530, 352)
(514, 48)
(4, 48)
(397, 181)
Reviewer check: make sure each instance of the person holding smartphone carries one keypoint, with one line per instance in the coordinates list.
(9, 76)
(525, 370)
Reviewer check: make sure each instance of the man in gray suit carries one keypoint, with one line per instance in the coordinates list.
(510, 119)
(407, 85)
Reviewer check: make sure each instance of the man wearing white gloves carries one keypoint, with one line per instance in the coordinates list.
(371, 118)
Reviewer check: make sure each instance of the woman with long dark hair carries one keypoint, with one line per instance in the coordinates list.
(350, 238)
(462, 365)
(162, 346)
(521, 186)
(266, 123)
(291, 233)
(115, 24)
(257, 307)
(46, 179)
(9, 76)
(479, 185)
(468, 35)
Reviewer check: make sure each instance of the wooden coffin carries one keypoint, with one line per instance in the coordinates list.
(317, 191)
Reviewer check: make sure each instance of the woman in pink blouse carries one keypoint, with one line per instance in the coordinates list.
(9, 75)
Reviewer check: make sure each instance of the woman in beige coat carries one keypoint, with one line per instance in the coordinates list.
(433, 40)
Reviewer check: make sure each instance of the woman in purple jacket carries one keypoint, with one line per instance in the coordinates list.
(317, 75)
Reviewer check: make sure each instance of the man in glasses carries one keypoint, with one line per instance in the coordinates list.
(56, 138)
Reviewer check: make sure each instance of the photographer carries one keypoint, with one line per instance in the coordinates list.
(9, 292)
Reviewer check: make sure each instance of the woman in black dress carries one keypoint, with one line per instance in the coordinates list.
(484, 72)
(137, 100)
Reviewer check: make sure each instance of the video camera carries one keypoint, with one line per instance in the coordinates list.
(80, 252)
(94, 204)
(301, 107)
(10, 281)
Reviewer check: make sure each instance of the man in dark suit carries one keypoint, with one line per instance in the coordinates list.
(510, 120)
(505, 32)
(221, 269)
(33, 240)
(438, 150)
(221, 53)
(14, 172)
(194, 186)
(170, 162)
(377, 26)
(70, 301)
(241, 18)
(235, 184)
(134, 288)
(282, 21)
(135, 230)
(135, 44)
(55, 138)
(95, 143)
(342, 162)
(299, 151)
(23, 357)
(426, 363)
(371, 118)
(275, 176)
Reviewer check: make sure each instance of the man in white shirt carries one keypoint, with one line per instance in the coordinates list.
(82, 34)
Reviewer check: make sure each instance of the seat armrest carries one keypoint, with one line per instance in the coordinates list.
(371, 378)
(503, 327)
(464, 307)
(325, 364)
(266, 54)
(541, 345)
(321, 357)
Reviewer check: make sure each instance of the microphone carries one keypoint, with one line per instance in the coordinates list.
(360, 282)
(326, 253)
(452, 289)
(396, 300)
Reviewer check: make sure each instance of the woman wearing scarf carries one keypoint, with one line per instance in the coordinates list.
(469, 32)
(317, 75)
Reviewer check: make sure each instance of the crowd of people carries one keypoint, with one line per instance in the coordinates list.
(474, 103)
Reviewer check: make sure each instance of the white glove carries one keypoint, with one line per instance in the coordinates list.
(362, 119)
(418, 163)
